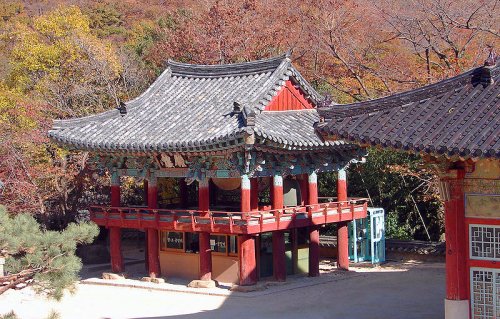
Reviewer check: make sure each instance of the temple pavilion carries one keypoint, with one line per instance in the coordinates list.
(455, 125)
(240, 145)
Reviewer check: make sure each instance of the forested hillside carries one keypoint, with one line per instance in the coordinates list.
(62, 59)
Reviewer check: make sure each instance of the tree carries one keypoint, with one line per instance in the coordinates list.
(57, 67)
(66, 58)
(226, 31)
(23, 169)
(401, 184)
(39, 258)
(60, 60)
(446, 36)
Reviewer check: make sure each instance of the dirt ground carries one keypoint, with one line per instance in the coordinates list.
(395, 290)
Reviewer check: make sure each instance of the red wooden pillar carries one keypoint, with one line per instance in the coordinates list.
(279, 258)
(115, 249)
(342, 229)
(456, 303)
(247, 262)
(146, 246)
(312, 199)
(312, 189)
(115, 233)
(246, 194)
(115, 190)
(205, 257)
(254, 193)
(342, 186)
(246, 243)
(205, 251)
(152, 233)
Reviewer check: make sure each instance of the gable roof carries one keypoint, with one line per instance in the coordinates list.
(200, 108)
(457, 117)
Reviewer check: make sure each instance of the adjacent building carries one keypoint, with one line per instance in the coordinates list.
(455, 125)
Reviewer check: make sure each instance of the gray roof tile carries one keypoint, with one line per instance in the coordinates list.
(191, 108)
(457, 117)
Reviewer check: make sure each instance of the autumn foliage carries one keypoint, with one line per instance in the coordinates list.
(66, 58)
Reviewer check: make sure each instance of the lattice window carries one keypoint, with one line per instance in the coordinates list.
(485, 293)
(484, 242)
(497, 294)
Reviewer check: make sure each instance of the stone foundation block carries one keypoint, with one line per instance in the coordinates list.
(158, 280)
(112, 276)
(456, 309)
(202, 284)
(256, 287)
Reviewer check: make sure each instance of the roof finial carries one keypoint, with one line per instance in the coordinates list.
(249, 116)
(486, 70)
(122, 108)
(237, 107)
(492, 58)
(327, 101)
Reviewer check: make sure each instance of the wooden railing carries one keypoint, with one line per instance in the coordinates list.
(229, 222)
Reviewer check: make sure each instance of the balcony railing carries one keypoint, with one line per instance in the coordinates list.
(226, 222)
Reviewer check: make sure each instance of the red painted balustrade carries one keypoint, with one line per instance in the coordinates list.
(225, 222)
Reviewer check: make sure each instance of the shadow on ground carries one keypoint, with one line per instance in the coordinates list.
(415, 293)
(396, 291)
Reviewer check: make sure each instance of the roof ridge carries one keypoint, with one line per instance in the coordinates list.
(232, 69)
(308, 88)
(272, 86)
(291, 111)
(278, 79)
(362, 107)
(457, 118)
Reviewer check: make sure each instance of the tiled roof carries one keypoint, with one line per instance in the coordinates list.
(201, 108)
(457, 117)
(290, 129)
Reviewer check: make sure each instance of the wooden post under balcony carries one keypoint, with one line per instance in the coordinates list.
(153, 258)
(342, 227)
(204, 237)
(312, 199)
(115, 233)
(146, 248)
(279, 258)
(246, 243)
(247, 260)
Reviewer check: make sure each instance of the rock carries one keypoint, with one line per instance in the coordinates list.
(112, 276)
(158, 280)
(202, 284)
(147, 279)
